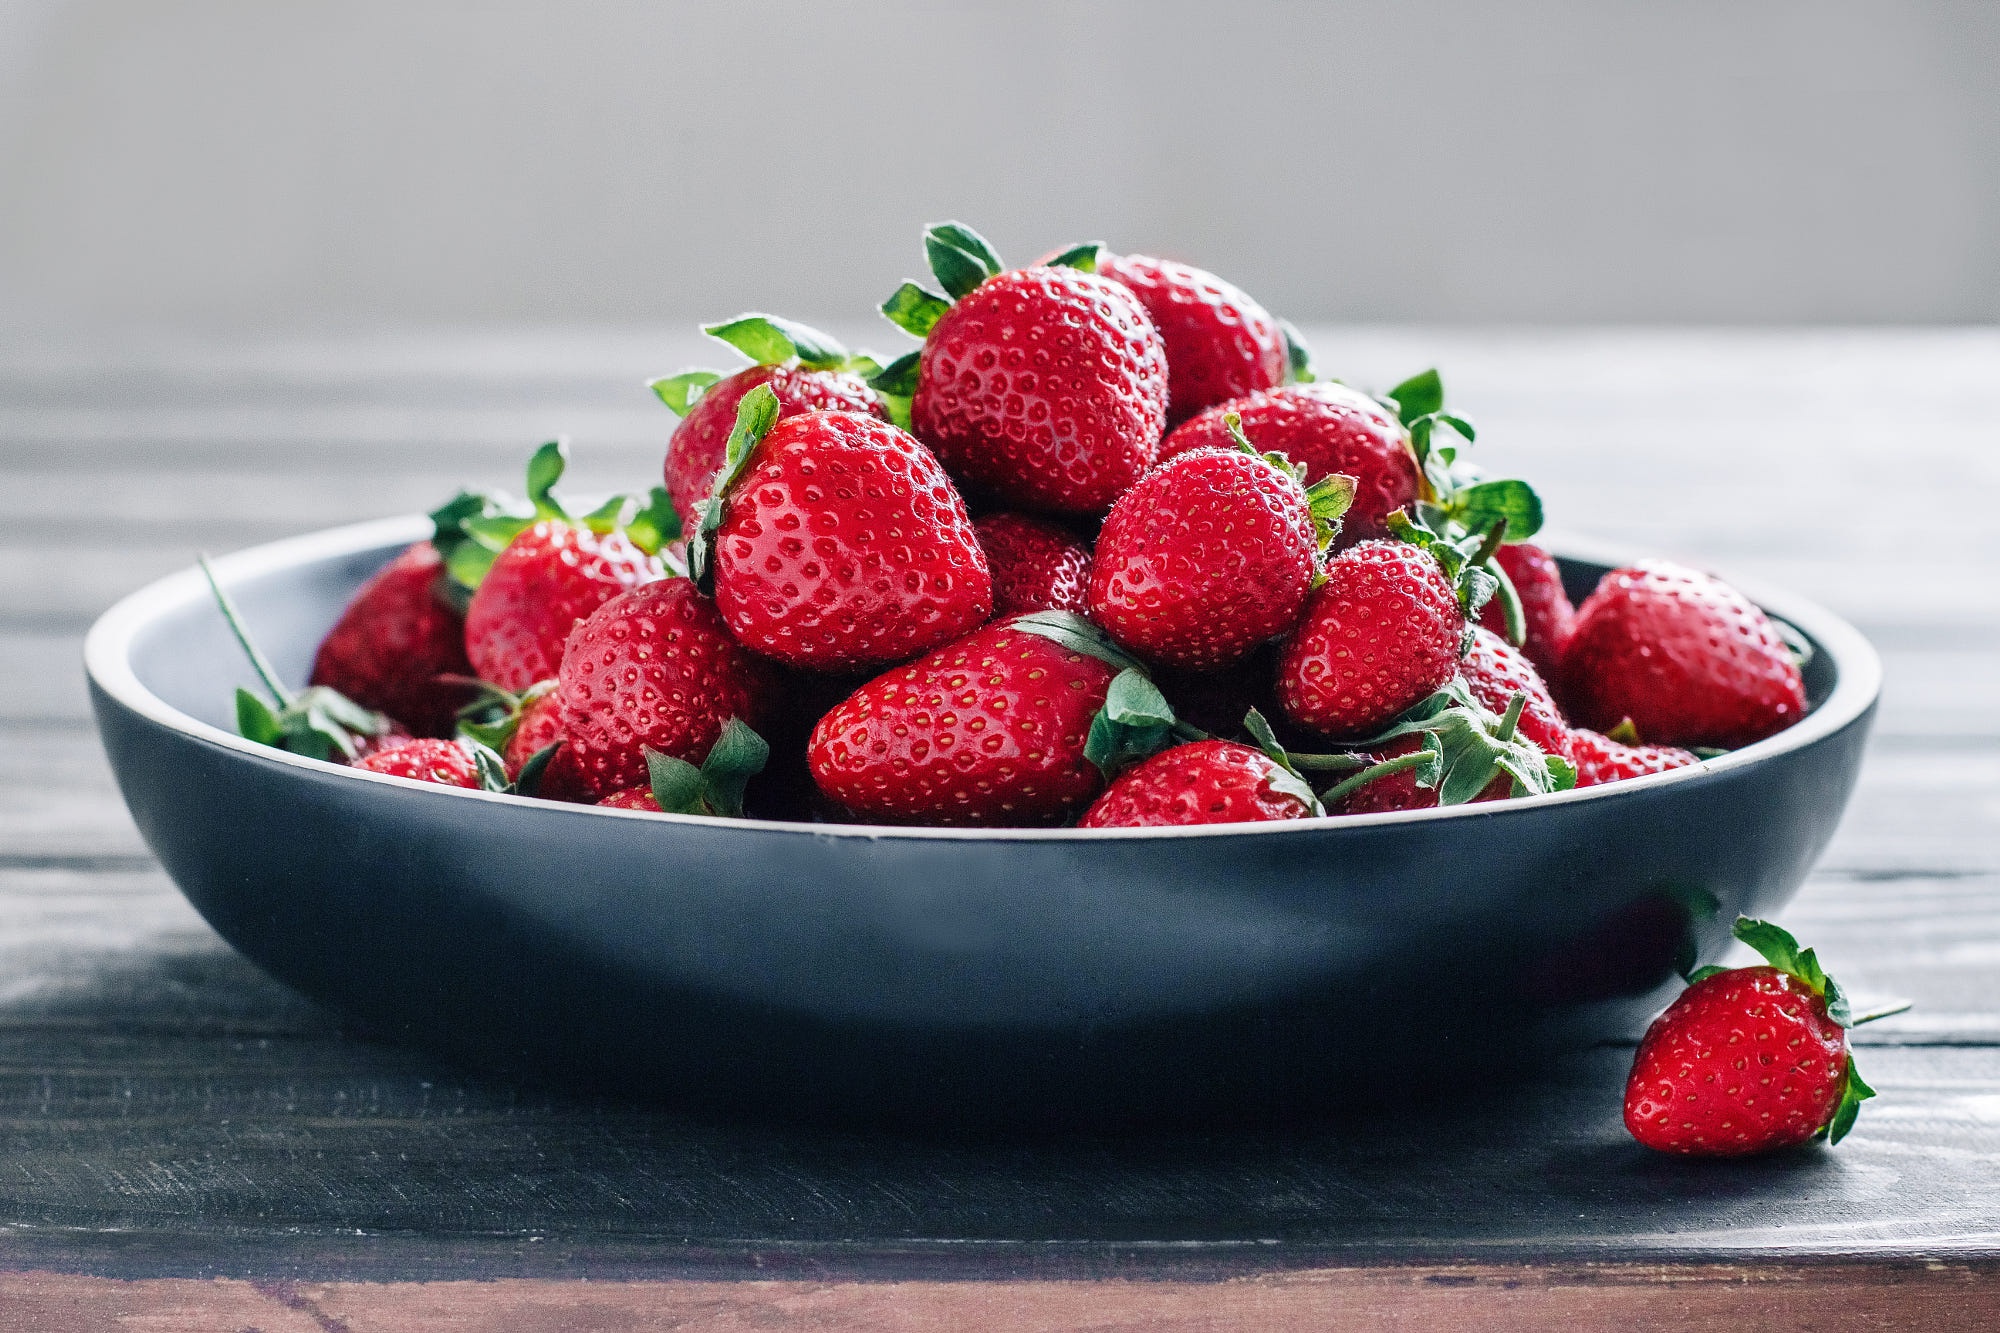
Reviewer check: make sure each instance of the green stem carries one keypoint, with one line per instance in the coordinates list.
(1333, 794)
(1189, 732)
(264, 669)
(1512, 718)
(1496, 537)
(1328, 763)
(1509, 598)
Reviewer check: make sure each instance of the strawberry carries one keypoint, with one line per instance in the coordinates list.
(1211, 554)
(515, 726)
(991, 729)
(446, 763)
(1601, 759)
(807, 370)
(654, 668)
(1328, 429)
(1748, 1059)
(1379, 635)
(1546, 612)
(837, 542)
(1036, 565)
(1046, 385)
(1689, 659)
(1203, 782)
(533, 575)
(396, 636)
(632, 798)
(1497, 671)
(1401, 776)
(1220, 343)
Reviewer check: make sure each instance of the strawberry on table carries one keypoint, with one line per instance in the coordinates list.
(1327, 429)
(1749, 1059)
(1691, 661)
(1545, 607)
(1045, 385)
(1212, 553)
(395, 638)
(1220, 343)
(805, 369)
(1601, 758)
(1036, 565)
(837, 542)
(1202, 782)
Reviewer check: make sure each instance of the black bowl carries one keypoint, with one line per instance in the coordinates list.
(1053, 978)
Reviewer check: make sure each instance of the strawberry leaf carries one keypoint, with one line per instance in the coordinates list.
(770, 341)
(545, 469)
(1328, 499)
(528, 782)
(255, 721)
(1417, 397)
(1475, 747)
(1480, 506)
(1298, 356)
(1853, 1092)
(491, 768)
(959, 257)
(677, 785)
(915, 310)
(738, 755)
(1135, 723)
(1073, 632)
(755, 416)
(609, 516)
(1084, 257)
(681, 392)
(656, 524)
(899, 376)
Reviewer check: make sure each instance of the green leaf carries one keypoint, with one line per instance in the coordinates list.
(491, 768)
(677, 785)
(1704, 973)
(545, 469)
(1298, 356)
(899, 377)
(681, 392)
(1459, 424)
(1480, 506)
(232, 618)
(1078, 635)
(1772, 941)
(528, 782)
(1853, 1092)
(254, 719)
(770, 341)
(755, 416)
(898, 409)
(959, 257)
(655, 524)
(1084, 257)
(738, 755)
(915, 310)
(1328, 499)
(1418, 396)
(1260, 731)
(1135, 722)
(1509, 599)
(609, 516)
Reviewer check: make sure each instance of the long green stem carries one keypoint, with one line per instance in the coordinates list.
(1509, 598)
(1512, 718)
(1415, 758)
(265, 670)
(1328, 763)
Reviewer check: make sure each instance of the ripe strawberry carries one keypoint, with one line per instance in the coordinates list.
(1328, 429)
(1748, 1059)
(632, 798)
(991, 729)
(539, 726)
(1545, 607)
(1211, 554)
(1688, 658)
(654, 668)
(808, 371)
(1203, 782)
(1405, 778)
(1220, 343)
(1378, 636)
(838, 542)
(396, 636)
(1045, 385)
(1036, 565)
(1496, 671)
(446, 763)
(1448, 750)
(1601, 759)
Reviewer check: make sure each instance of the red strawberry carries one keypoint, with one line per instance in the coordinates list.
(547, 580)
(1688, 658)
(1204, 782)
(1748, 1059)
(1545, 607)
(1448, 750)
(654, 668)
(808, 371)
(1209, 555)
(988, 730)
(538, 726)
(1496, 671)
(1600, 759)
(1400, 785)
(1047, 386)
(1220, 343)
(392, 642)
(1328, 429)
(1378, 636)
(632, 798)
(838, 542)
(1036, 565)
(446, 763)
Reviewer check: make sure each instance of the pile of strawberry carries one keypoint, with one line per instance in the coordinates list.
(1102, 550)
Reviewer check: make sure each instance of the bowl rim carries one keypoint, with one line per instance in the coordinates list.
(107, 663)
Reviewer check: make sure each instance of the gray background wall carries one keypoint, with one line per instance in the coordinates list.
(253, 163)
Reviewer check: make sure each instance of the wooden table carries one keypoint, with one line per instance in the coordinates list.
(186, 1144)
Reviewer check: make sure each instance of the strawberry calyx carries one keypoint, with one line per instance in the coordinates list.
(1083, 258)
(755, 416)
(1298, 356)
(1135, 721)
(1475, 746)
(1427, 761)
(1288, 779)
(1781, 950)
(716, 787)
(1327, 499)
(494, 714)
(1467, 562)
(768, 340)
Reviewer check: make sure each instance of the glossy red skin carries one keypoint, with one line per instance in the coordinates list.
(1599, 759)
(393, 640)
(1209, 555)
(1206, 782)
(1046, 386)
(539, 727)
(1379, 635)
(988, 730)
(1744, 1062)
(1036, 565)
(565, 779)
(700, 444)
(1220, 343)
(394, 737)
(1688, 658)
(547, 580)
(845, 547)
(1327, 428)
(632, 798)
(1399, 790)
(1496, 669)
(1546, 612)
(446, 763)
(655, 668)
